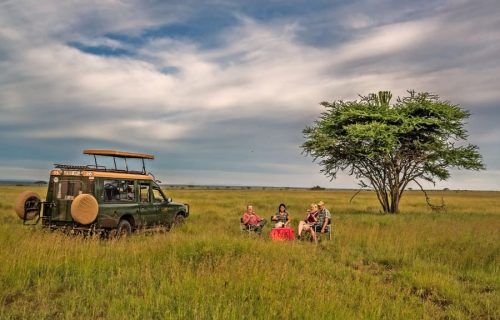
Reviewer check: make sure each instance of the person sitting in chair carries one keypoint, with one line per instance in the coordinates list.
(324, 218)
(252, 221)
(310, 220)
(281, 218)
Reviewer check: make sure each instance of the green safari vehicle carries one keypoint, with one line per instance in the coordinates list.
(94, 199)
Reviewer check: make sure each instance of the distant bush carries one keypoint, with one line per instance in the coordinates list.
(317, 188)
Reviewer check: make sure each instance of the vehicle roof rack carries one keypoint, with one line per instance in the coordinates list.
(70, 166)
(91, 167)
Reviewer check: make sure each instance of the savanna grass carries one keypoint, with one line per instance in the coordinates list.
(415, 265)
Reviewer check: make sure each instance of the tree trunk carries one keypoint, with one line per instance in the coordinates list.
(395, 200)
(389, 200)
(383, 198)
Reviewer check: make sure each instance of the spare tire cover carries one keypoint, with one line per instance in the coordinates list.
(28, 205)
(84, 208)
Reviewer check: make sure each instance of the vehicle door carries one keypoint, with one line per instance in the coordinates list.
(146, 209)
(64, 189)
(117, 198)
(161, 206)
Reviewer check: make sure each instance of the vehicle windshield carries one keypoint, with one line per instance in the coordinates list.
(157, 195)
(67, 189)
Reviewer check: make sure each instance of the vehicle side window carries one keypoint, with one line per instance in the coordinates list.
(119, 190)
(144, 192)
(157, 195)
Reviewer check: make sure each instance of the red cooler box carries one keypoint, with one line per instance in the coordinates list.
(282, 234)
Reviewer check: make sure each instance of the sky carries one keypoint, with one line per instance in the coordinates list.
(220, 91)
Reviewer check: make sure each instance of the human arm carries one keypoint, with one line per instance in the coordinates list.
(287, 222)
(311, 218)
(307, 215)
(245, 218)
(326, 221)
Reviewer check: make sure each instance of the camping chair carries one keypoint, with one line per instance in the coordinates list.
(328, 233)
(250, 228)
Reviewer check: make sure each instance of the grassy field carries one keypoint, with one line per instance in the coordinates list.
(415, 265)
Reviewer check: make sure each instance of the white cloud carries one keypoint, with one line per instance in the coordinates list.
(259, 70)
(358, 21)
(136, 133)
(87, 19)
(472, 180)
(386, 40)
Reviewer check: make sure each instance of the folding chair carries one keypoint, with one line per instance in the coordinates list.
(317, 229)
(249, 228)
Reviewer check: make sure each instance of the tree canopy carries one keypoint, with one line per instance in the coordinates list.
(384, 146)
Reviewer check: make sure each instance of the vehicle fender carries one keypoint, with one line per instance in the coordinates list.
(130, 218)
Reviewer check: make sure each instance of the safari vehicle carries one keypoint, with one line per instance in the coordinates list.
(97, 199)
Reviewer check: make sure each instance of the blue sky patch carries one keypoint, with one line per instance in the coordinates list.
(100, 50)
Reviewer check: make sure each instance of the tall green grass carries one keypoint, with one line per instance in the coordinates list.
(414, 265)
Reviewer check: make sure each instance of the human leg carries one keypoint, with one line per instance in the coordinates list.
(313, 234)
(301, 227)
(260, 225)
(307, 228)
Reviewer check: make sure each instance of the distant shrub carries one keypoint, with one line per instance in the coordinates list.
(317, 188)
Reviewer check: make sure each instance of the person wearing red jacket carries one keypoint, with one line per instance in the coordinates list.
(252, 221)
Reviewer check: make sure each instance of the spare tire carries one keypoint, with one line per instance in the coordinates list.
(84, 209)
(28, 205)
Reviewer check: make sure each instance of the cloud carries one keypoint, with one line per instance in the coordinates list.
(75, 20)
(208, 107)
(152, 133)
(471, 180)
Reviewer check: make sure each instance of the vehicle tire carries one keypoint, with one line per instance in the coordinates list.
(28, 205)
(124, 229)
(84, 209)
(179, 219)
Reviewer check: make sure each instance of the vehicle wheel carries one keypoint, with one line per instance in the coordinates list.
(124, 229)
(84, 209)
(28, 205)
(179, 220)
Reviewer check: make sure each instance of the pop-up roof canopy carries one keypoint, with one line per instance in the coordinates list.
(118, 154)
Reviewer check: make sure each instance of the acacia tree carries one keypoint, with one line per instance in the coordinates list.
(386, 147)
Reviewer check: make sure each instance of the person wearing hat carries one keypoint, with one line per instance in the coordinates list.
(324, 218)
